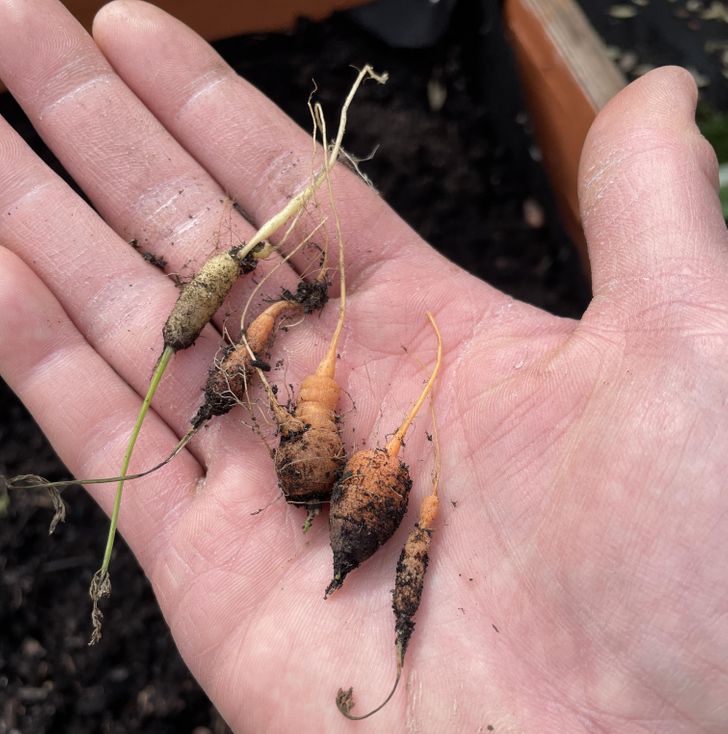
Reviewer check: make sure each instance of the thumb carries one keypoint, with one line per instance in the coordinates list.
(649, 192)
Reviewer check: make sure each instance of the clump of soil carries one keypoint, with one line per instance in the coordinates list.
(311, 296)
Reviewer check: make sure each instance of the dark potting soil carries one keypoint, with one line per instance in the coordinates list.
(683, 32)
(454, 158)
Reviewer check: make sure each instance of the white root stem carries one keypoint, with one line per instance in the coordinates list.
(297, 203)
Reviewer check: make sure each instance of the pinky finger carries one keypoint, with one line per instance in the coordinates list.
(85, 409)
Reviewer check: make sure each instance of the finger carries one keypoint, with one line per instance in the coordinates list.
(649, 191)
(137, 176)
(247, 143)
(84, 407)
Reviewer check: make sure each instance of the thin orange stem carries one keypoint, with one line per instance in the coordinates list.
(395, 444)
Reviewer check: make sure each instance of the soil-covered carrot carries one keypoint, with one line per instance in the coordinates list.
(202, 297)
(310, 455)
(408, 584)
(370, 500)
(228, 380)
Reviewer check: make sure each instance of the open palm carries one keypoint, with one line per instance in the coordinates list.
(578, 576)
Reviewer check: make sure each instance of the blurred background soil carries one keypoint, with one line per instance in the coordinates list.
(455, 158)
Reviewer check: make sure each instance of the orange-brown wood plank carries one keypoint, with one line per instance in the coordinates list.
(215, 19)
(567, 77)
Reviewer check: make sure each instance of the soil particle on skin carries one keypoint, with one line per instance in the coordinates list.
(150, 257)
(261, 365)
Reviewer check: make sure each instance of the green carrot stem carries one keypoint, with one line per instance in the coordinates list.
(153, 385)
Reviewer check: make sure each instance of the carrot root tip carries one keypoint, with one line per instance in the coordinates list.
(60, 509)
(99, 589)
(310, 517)
(345, 700)
(336, 583)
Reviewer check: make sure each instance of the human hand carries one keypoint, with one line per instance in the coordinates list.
(586, 457)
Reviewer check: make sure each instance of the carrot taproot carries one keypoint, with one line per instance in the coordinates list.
(310, 454)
